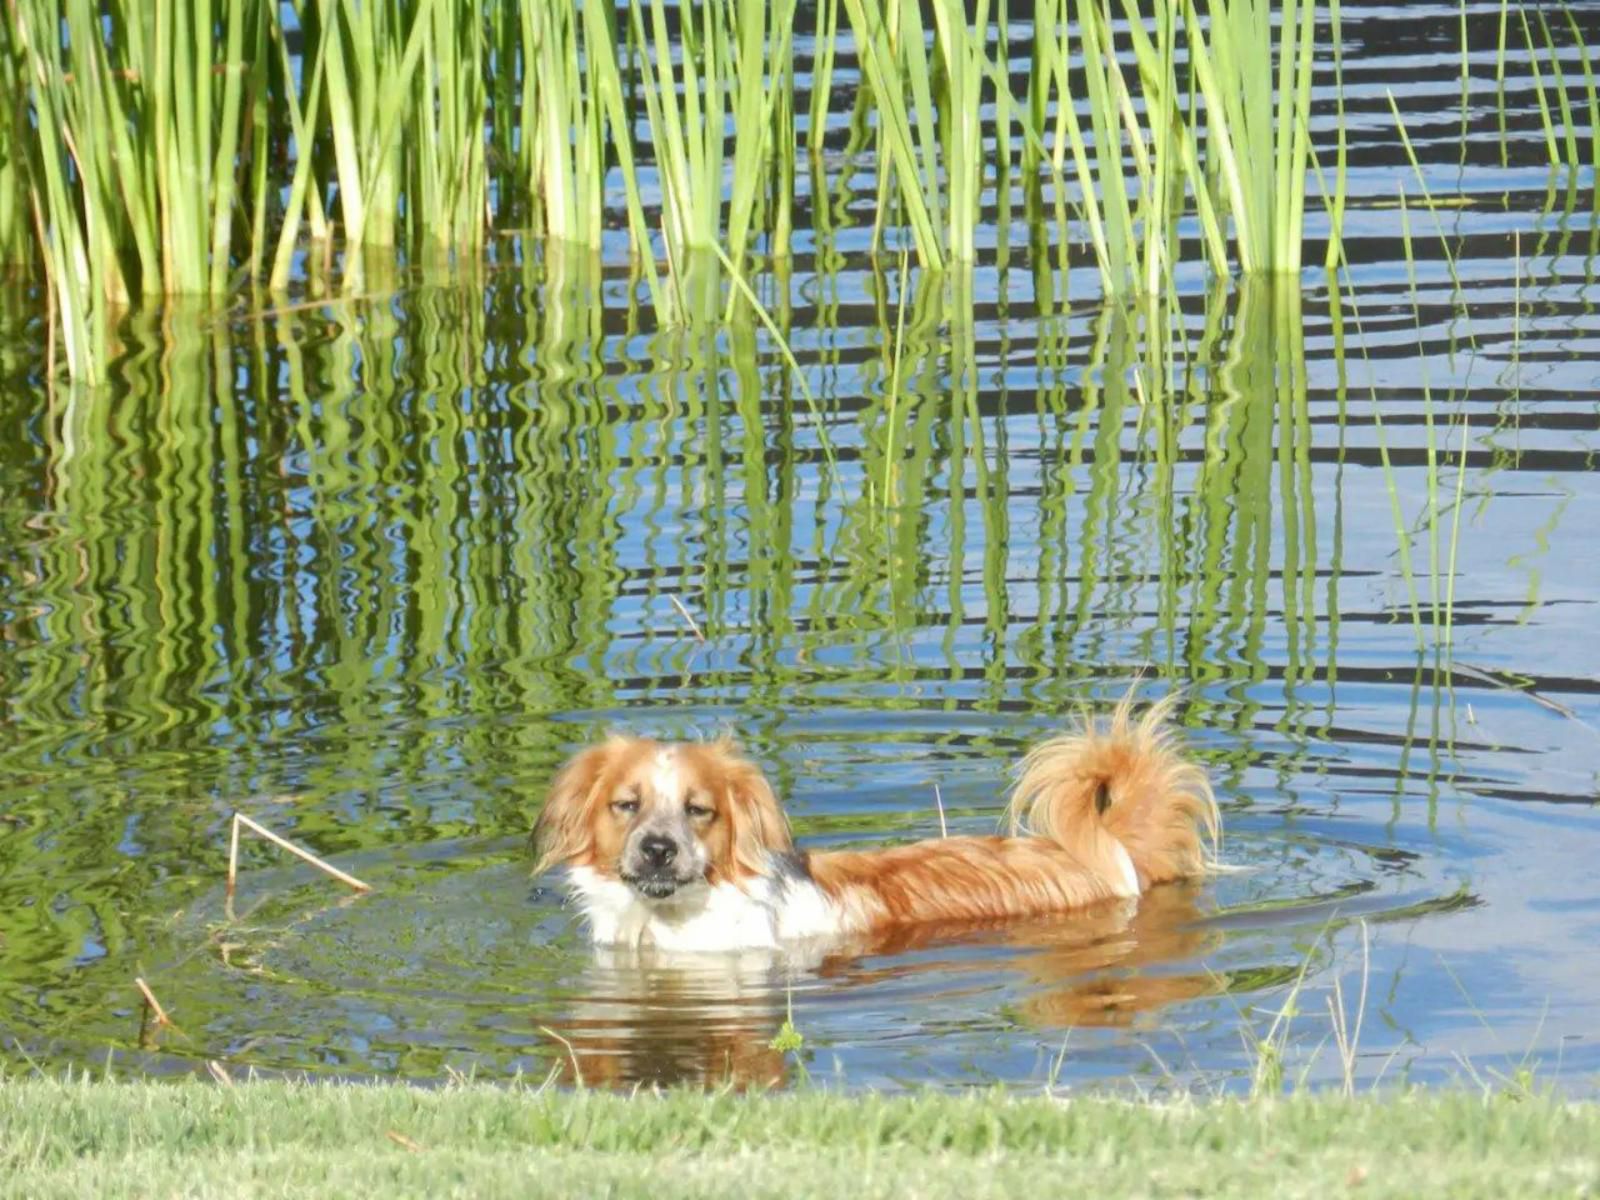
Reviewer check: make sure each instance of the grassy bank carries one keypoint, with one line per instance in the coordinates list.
(141, 1139)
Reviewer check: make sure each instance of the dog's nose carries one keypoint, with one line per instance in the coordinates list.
(658, 851)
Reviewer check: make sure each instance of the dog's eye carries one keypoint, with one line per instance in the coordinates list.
(625, 807)
(699, 812)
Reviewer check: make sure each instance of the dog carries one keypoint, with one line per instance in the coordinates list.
(684, 848)
(637, 1017)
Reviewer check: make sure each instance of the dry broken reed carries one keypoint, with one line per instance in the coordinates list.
(327, 868)
(150, 1000)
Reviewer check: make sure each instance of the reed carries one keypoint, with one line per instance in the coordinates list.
(1254, 73)
(894, 61)
(154, 1005)
(166, 149)
(240, 821)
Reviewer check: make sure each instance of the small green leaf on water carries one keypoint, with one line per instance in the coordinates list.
(788, 1039)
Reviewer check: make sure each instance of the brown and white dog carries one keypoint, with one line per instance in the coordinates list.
(683, 847)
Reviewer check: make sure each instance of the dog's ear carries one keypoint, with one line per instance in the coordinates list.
(757, 824)
(564, 833)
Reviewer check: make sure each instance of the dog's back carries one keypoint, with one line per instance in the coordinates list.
(1097, 814)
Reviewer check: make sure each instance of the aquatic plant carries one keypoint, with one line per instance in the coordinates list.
(166, 149)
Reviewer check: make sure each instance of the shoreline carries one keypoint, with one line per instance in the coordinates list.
(187, 1138)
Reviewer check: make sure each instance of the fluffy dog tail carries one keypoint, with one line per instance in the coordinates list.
(1122, 798)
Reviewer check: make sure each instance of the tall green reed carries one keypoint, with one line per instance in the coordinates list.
(894, 57)
(131, 150)
(197, 149)
(1258, 132)
(1231, 81)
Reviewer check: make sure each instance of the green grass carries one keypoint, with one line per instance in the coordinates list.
(137, 1139)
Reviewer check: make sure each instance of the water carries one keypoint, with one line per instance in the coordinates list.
(368, 571)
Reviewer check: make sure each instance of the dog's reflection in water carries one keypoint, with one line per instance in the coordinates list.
(644, 1018)
(649, 1019)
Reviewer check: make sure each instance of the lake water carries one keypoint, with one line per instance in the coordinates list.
(368, 570)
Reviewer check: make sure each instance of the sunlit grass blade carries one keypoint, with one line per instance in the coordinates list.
(1224, 116)
(824, 45)
(303, 188)
(1173, 132)
(1593, 102)
(1402, 537)
(1433, 209)
(879, 64)
(1432, 476)
(1546, 124)
(1569, 129)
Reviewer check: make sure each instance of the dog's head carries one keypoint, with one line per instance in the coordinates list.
(661, 816)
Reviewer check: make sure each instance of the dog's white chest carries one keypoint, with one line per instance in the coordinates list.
(703, 918)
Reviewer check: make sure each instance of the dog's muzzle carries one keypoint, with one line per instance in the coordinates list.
(656, 869)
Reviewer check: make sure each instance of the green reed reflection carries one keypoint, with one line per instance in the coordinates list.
(372, 496)
(380, 502)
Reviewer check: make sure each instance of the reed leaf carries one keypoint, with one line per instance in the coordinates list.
(166, 148)
(881, 65)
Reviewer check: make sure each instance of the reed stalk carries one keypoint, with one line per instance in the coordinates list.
(164, 149)
(893, 61)
(283, 843)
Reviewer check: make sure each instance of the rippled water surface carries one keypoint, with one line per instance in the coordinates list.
(368, 570)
